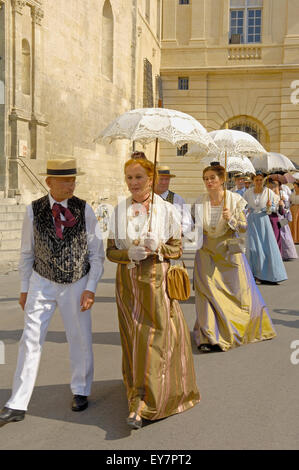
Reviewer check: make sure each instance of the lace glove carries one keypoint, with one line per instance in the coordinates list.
(151, 241)
(137, 253)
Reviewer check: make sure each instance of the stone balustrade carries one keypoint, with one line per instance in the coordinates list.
(242, 52)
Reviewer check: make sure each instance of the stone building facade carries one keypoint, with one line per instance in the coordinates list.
(234, 62)
(68, 67)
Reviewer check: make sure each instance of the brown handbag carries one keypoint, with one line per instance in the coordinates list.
(178, 283)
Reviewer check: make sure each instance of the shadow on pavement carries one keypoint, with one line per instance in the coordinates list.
(109, 337)
(108, 406)
(284, 311)
(97, 299)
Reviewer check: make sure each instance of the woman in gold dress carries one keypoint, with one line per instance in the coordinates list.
(157, 362)
(230, 309)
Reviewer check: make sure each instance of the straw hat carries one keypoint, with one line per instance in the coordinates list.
(239, 175)
(62, 167)
(164, 171)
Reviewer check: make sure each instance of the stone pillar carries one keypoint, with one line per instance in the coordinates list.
(224, 22)
(36, 131)
(26, 120)
(267, 22)
(2, 96)
(291, 48)
(168, 20)
(17, 11)
(183, 24)
(198, 21)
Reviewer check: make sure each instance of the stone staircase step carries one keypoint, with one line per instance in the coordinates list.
(12, 208)
(11, 216)
(10, 234)
(11, 224)
(9, 201)
(11, 220)
(9, 245)
(10, 256)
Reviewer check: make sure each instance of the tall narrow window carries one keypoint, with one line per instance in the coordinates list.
(107, 40)
(245, 21)
(148, 101)
(26, 67)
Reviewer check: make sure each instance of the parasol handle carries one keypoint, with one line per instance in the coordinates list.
(225, 179)
(154, 182)
(225, 173)
(267, 185)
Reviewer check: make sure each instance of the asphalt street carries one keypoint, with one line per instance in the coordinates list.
(249, 395)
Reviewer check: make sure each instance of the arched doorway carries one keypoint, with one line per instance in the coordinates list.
(250, 125)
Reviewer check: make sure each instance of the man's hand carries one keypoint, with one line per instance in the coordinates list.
(22, 299)
(87, 300)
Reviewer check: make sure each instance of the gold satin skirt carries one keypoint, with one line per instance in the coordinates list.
(230, 310)
(294, 224)
(157, 361)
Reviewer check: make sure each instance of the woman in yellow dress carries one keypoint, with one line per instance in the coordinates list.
(157, 363)
(230, 309)
(294, 201)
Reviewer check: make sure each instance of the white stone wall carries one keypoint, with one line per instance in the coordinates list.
(72, 95)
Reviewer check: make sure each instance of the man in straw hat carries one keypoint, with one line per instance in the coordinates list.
(162, 189)
(240, 184)
(61, 263)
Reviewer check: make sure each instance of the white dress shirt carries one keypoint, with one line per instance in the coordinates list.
(94, 243)
(180, 204)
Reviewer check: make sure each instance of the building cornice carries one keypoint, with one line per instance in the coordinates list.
(37, 14)
(18, 5)
(171, 45)
(19, 115)
(35, 5)
(232, 68)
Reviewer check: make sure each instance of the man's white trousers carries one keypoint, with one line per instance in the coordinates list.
(43, 297)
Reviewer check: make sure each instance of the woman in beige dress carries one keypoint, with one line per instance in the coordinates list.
(157, 363)
(230, 310)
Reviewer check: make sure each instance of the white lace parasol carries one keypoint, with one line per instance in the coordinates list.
(235, 143)
(148, 124)
(272, 162)
(234, 164)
